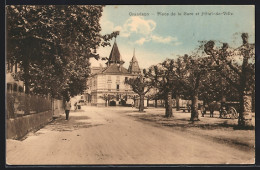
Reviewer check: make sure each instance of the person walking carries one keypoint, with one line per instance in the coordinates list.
(75, 106)
(67, 108)
(202, 110)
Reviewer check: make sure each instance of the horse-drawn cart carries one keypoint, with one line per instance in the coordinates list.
(229, 110)
(226, 109)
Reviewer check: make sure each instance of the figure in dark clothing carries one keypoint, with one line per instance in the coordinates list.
(67, 109)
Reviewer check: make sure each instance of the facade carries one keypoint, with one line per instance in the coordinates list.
(13, 85)
(106, 85)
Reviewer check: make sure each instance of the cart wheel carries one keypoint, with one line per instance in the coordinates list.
(233, 113)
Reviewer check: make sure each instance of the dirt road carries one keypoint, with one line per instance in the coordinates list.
(108, 136)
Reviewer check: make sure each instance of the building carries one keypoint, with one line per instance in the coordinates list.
(12, 84)
(106, 85)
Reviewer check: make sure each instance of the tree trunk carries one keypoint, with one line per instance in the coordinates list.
(253, 101)
(27, 87)
(26, 77)
(204, 105)
(168, 105)
(52, 105)
(141, 105)
(155, 103)
(245, 115)
(194, 107)
(177, 102)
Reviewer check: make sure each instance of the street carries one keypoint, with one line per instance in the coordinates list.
(100, 135)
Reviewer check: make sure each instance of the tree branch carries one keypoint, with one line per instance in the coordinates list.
(230, 80)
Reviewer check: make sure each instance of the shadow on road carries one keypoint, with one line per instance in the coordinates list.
(184, 122)
(74, 123)
(216, 129)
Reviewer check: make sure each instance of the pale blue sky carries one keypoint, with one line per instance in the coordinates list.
(156, 38)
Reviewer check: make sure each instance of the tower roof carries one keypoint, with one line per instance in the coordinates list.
(115, 56)
(133, 66)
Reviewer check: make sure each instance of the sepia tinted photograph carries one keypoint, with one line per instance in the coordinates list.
(130, 84)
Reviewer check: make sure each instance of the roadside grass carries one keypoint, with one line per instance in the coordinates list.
(214, 128)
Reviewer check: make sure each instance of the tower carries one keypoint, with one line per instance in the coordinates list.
(115, 57)
(133, 66)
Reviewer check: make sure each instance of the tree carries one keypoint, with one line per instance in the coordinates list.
(178, 89)
(190, 71)
(162, 77)
(226, 58)
(107, 98)
(140, 85)
(56, 41)
(216, 88)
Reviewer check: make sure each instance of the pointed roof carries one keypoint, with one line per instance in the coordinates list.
(133, 66)
(115, 56)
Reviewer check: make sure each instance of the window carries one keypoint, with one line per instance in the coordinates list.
(15, 69)
(117, 87)
(15, 87)
(11, 70)
(118, 79)
(109, 79)
(109, 87)
(9, 87)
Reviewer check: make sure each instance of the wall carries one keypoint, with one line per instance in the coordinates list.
(20, 126)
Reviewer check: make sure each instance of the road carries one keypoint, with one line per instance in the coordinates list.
(108, 136)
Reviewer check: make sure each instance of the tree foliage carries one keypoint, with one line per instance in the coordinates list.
(191, 73)
(53, 45)
(107, 98)
(239, 64)
(140, 85)
(162, 78)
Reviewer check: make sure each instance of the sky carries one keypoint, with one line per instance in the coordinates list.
(157, 32)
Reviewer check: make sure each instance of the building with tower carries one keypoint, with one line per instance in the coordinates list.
(106, 85)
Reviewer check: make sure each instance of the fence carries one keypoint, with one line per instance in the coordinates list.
(20, 104)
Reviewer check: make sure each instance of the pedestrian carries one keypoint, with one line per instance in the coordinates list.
(188, 107)
(67, 108)
(212, 107)
(202, 110)
(75, 105)
(132, 104)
